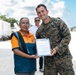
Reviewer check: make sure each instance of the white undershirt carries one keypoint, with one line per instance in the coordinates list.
(33, 30)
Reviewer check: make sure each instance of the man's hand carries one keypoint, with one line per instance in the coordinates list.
(53, 51)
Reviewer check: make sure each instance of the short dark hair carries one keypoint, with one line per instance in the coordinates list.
(24, 18)
(42, 6)
(36, 18)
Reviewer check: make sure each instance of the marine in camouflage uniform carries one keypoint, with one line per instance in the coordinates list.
(58, 33)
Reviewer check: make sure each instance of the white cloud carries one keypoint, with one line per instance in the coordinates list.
(57, 9)
(58, 5)
(20, 3)
(9, 2)
(19, 8)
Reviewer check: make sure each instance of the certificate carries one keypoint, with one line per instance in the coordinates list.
(43, 47)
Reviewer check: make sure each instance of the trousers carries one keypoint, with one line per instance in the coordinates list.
(40, 62)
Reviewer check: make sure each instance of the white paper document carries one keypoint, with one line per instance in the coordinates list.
(43, 47)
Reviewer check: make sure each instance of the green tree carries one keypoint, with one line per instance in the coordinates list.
(3, 17)
(12, 21)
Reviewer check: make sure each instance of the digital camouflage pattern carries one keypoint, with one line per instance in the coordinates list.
(59, 35)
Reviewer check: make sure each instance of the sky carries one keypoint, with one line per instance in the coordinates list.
(65, 9)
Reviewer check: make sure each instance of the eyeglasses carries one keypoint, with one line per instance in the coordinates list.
(37, 20)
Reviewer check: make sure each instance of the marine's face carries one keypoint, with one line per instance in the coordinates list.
(42, 13)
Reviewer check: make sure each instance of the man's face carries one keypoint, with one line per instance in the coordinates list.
(37, 21)
(42, 13)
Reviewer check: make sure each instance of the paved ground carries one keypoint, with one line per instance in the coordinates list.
(6, 60)
(6, 63)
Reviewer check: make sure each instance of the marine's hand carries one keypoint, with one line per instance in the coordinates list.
(53, 51)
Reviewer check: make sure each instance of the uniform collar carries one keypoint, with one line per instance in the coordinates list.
(29, 34)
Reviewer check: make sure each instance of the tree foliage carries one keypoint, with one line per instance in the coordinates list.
(10, 20)
(3, 17)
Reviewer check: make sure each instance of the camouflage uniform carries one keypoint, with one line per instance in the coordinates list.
(58, 33)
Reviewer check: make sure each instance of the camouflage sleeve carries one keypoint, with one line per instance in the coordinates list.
(66, 37)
